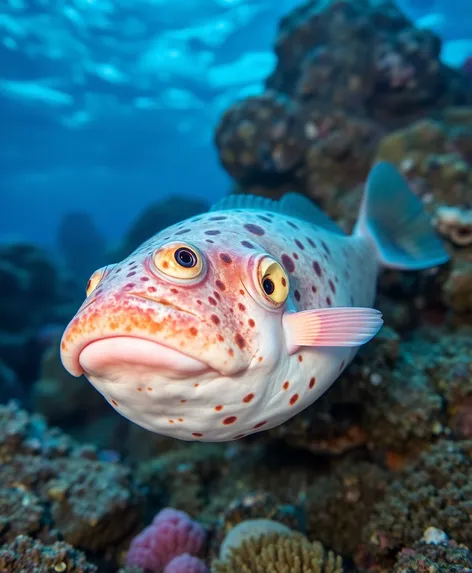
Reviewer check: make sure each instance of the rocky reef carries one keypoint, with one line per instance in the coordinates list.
(376, 476)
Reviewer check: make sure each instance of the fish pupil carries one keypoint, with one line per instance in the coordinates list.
(185, 258)
(268, 286)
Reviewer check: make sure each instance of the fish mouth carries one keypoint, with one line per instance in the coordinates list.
(110, 357)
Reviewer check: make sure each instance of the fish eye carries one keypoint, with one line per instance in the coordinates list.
(185, 257)
(95, 280)
(179, 261)
(273, 281)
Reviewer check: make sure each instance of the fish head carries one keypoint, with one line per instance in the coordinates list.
(179, 310)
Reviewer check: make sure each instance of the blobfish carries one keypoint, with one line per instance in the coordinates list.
(232, 322)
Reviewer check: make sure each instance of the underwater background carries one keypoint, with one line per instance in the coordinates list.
(119, 118)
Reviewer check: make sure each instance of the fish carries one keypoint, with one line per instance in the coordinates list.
(233, 321)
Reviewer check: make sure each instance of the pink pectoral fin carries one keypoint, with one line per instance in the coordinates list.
(343, 326)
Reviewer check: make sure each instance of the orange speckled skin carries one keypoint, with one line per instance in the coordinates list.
(252, 383)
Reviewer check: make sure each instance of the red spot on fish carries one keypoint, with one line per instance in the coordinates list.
(218, 408)
(165, 264)
(221, 285)
(140, 389)
(217, 295)
(297, 295)
(329, 301)
(260, 359)
(283, 280)
(293, 399)
(199, 301)
(247, 244)
(151, 289)
(312, 383)
(144, 279)
(193, 331)
(313, 288)
(260, 424)
(295, 256)
(229, 420)
(251, 323)
(114, 403)
(288, 263)
(317, 268)
(286, 385)
(211, 300)
(171, 421)
(181, 420)
(131, 274)
(130, 285)
(248, 398)
(300, 358)
(196, 385)
(231, 352)
(220, 338)
(255, 229)
(241, 292)
(215, 319)
(299, 244)
(226, 258)
(183, 401)
(240, 341)
(197, 434)
(241, 307)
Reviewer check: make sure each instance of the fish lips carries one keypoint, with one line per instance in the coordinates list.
(112, 357)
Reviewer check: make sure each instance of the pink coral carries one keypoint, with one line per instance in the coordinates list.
(171, 534)
(186, 564)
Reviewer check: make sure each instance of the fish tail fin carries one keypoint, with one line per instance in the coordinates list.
(393, 219)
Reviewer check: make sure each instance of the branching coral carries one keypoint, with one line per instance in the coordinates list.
(275, 553)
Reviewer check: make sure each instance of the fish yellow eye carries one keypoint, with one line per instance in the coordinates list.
(273, 281)
(179, 261)
(95, 280)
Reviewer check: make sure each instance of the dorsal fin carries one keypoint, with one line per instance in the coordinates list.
(291, 204)
(241, 201)
(297, 205)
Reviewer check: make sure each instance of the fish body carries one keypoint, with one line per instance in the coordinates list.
(234, 321)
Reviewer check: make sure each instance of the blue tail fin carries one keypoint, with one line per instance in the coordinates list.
(393, 218)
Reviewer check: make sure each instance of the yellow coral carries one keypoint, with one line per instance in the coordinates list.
(275, 553)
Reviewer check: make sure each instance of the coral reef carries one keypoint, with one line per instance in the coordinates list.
(346, 73)
(434, 553)
(56, 489)
(31, 556)
(435, 490)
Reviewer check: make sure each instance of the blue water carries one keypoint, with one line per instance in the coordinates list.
(109, 105)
